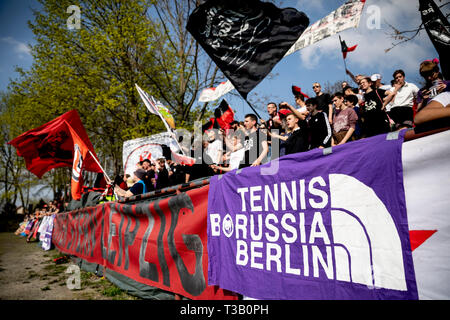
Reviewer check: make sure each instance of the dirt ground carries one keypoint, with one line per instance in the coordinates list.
(29, 273)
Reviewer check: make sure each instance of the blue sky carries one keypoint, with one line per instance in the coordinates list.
(15, 36)
(320, 62)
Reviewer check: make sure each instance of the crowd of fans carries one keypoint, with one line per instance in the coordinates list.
(34, 224)
(369, 108)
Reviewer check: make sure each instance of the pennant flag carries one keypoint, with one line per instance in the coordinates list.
(345, 49)
(156, 107)
(51, 145)
(211, 94)
(245, 39)
(438, 30)
(345, 17)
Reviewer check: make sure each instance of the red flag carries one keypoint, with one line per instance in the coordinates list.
(51, 145)
(80, 154)
(224, 115)
(296, 91)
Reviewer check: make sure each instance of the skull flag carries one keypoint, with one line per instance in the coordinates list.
(245, 39)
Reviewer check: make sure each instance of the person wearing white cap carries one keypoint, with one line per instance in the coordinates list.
(376, 79)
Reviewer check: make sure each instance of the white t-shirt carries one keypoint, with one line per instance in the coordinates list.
(443, 98)
(236, 157)
(387, 87)
(405, 96)
(213, 150)
(302, 109)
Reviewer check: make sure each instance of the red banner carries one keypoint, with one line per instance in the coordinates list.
(161, 243)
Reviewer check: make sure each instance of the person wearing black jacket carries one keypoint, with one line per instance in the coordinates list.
(319, 126)
(298, 140)
(162, 180)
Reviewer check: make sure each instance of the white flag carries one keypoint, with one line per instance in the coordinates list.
(211, 94)
(156, 107)
(345, 17)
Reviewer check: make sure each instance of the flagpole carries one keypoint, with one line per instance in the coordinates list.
(108, 180)
(100, 166)
(156, 111)
(345, 63)
(345, 69)
(253, 108)
(169, 130)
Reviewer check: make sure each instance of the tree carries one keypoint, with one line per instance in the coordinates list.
(402, 36)
(94, 69)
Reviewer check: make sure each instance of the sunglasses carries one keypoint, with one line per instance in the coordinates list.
(316, 87)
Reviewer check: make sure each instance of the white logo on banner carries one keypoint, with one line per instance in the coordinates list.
(369, 250)
(77, 163)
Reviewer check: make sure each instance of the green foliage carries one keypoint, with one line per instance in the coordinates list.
(94, 70)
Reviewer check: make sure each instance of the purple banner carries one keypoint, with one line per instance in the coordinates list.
(325, 225)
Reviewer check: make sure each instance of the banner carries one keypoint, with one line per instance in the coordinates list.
(51, 145)
(345, 17)
(47, 237)
(438, 30)
(333, 226)
(211, 94)
(146, 148)
(426, 178)
(160, 243)
(245, 38)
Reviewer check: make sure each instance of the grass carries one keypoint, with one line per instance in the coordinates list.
(92, 286)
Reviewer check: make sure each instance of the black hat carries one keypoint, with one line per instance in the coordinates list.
(140, 173)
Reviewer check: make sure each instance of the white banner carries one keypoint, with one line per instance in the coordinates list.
(345, 17)
(145, 148)
(211, 94)
(426, 178)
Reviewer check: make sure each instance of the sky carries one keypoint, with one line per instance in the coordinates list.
(320, 62)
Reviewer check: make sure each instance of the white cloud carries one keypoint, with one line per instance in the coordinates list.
(311, 5)
(18, 47)
(370, 56)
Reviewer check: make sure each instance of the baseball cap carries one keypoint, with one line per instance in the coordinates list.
(375, 77)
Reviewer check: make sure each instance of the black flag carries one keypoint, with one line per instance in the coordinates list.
(245, 38)
(438, 29)
(345, 49)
